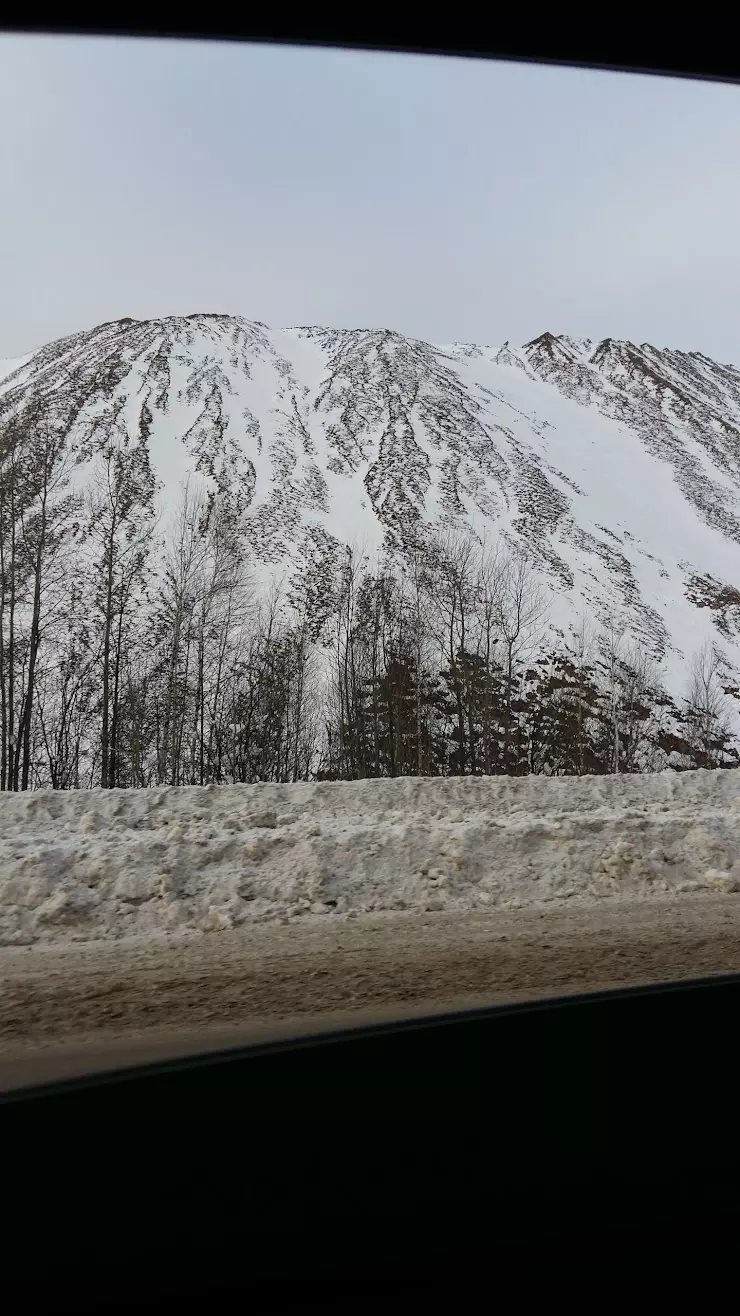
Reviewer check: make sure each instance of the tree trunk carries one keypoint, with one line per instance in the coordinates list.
(33, 650)
(507, 704)
(113, 763)
(3, 698)
(107, 628)
(9, 785)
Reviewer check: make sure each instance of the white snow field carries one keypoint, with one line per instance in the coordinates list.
(91, 865)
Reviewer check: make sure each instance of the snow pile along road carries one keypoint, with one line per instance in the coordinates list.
(106, 864)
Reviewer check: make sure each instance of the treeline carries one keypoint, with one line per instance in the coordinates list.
(134, 654)
(443, 664)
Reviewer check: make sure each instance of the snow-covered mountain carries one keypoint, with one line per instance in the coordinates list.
(618, 465)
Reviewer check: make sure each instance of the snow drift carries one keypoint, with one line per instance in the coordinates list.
(109, 864)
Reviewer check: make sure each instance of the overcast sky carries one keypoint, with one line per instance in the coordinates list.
(450, 199)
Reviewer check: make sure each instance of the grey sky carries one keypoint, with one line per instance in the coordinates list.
(451, 199)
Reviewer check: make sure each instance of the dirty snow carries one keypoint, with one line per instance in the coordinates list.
(110, 864)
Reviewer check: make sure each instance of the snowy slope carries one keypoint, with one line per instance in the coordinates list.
(93, 864)
(617, 465)
(9, 366)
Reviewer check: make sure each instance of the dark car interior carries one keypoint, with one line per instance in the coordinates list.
(450, 1152)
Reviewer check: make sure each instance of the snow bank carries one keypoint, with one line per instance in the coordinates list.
(106, 864)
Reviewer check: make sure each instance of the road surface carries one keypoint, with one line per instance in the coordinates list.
(102, 1005)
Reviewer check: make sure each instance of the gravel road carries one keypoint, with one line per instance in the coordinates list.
(101, 1005)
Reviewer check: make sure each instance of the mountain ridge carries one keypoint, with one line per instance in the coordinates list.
(614, 465)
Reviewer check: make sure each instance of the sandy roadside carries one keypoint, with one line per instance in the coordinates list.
(100, 1005)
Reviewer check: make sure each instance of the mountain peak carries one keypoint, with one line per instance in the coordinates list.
(615, 468)
(547, 341)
